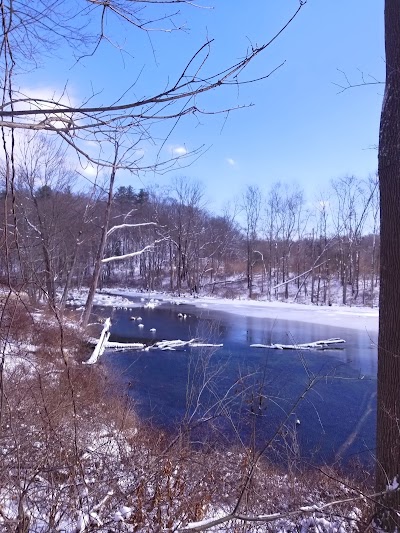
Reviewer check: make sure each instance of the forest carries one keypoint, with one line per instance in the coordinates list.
(271, 243)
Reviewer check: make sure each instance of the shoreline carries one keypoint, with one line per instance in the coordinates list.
(356, 318)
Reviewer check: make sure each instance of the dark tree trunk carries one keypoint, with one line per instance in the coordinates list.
(388, 412)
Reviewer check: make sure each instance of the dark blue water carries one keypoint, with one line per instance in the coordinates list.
(249, 394)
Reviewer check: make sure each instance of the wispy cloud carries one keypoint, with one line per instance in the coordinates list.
(46, 97)
(50, 95)
(89, 170)
(230, 161)
(178, 150)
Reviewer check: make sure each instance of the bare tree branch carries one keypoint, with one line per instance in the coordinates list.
(364, 82)
(132, 254)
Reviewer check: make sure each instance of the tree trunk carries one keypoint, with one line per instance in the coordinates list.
(100, 250)
(70, 273)
(388, 410)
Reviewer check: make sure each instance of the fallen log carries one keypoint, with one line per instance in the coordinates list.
(101, 344)
(125, 345)
(327, 344)
(173, 345)
(165, 345)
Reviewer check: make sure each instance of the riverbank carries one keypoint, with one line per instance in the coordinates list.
(358, 318)
(160, 478)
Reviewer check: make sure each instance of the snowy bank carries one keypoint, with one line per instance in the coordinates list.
(359, 318)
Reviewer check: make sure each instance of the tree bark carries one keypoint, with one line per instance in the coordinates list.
(388, 409)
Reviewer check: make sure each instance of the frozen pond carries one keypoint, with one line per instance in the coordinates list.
(337, 414)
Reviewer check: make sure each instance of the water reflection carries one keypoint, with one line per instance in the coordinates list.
(336, 416)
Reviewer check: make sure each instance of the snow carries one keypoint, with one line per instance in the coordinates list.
(79, 297)
(316, 345)
(358, 318)
(122, 226)
(172, 345)
(132, 254)
(125, 345)
(100, 347)
(17, 355)
(394, 485)
(124, 513)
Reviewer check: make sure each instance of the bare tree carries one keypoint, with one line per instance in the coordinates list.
(187, 224)
(47, 216)
(271, 232)
(352, 209)
(373, 188)
(251, 204)
(120, 155)
(290, 222)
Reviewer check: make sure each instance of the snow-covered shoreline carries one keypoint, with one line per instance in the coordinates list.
(358, 318)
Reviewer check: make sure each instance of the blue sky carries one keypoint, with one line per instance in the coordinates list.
(299, 129)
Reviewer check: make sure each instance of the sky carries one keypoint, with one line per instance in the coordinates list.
(297, 126)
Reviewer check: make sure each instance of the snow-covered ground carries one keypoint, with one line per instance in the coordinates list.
(360, 318)
(345, 317)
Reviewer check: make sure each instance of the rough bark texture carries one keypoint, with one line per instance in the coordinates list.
(388, 414)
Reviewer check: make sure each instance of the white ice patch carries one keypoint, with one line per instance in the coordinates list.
(394, 485)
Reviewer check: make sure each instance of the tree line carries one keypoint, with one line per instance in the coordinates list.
(273, 243)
